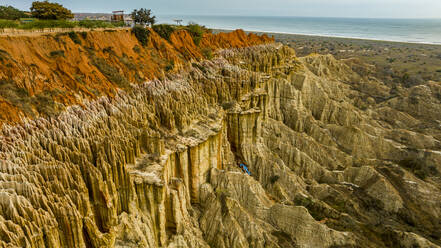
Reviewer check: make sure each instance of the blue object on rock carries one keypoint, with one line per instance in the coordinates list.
(245, 168)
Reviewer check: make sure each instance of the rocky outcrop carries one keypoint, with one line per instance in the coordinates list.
(156, 166)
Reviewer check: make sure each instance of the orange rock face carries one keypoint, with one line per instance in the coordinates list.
(235, 39)
(8, 111)
(36, 71)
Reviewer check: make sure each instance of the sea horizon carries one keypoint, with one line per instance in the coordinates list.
(408, 30)
(287, 16)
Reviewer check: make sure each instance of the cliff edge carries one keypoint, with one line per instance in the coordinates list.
(41, 75)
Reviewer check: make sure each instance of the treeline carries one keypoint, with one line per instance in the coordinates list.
(43, 10)
(40, 24)
(11, 13)
(44, 14)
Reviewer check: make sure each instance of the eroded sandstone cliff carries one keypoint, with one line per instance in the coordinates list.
(41, 75)
(337, 159)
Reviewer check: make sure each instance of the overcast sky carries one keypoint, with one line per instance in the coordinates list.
(315, 8)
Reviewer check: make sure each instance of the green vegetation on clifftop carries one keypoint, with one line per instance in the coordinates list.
(41, 24)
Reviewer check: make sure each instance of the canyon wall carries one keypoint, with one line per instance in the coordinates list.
(155, 164)
(41, 75)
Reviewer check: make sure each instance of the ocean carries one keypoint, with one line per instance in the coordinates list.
(403, 30)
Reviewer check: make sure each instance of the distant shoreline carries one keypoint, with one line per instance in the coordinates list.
(418, 31)
(328, 36)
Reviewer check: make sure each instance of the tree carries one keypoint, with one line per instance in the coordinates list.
(142, 34)
(50, 11)
(11, 13)
(196, 31)
(143, 17)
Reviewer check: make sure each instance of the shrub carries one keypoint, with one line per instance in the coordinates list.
(390, 60)
(3, 55)
(228, 105)
(207, 53)
(274, 179)
(84, 35)
(137, 49)
(74, 37)
(41, 24)
(170, 65)
(57, 37)
(99, 24)
(96, 24)
(411, 80)
(8, 24)
(141, 34)
(11, 13)
(57, 53)
(164, 30)
(45, 104)
(196, 32)
(419, 168)
(50, 11)
(18, 97)
(90, 23)
(90, 50)
(127, 62)
(421, 174)
(118, 24)
(110, 72)
(108, 49)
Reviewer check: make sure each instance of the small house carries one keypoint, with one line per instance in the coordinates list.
(118, 16)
